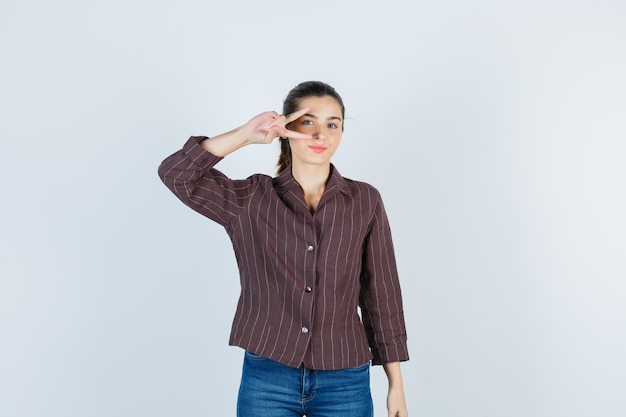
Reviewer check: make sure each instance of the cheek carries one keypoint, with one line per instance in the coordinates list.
(297, 145)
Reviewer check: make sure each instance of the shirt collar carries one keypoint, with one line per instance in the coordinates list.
(285, 182)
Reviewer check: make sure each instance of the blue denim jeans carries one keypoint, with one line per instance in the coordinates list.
(271, 389)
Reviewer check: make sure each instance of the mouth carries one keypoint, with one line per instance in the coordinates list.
(317, 149)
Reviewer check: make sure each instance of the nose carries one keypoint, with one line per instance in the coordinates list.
(319, 133)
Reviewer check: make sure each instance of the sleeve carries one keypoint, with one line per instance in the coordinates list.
(190, 175)
(381, 298)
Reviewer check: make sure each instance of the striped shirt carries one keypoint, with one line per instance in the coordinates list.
(304, 276)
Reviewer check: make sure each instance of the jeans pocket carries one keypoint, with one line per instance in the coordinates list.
(361, 367)
(254, 356)
(358, 369)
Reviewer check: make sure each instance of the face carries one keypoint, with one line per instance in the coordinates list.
(324, 122)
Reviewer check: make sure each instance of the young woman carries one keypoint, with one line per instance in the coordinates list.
(312, 249)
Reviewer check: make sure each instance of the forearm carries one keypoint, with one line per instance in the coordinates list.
(226, 143)
(396, 403)
(394, 374)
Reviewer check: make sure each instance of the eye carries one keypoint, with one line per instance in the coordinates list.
(307, 122)
(333, 126)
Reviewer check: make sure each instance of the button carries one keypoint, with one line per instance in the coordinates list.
(308, 289)
(305, 330)
(310, 248)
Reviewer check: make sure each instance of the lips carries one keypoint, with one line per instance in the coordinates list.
(317, 149)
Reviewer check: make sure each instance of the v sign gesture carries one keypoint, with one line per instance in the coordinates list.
(263, 128)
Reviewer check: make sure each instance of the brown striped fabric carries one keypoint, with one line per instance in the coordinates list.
(303, 276)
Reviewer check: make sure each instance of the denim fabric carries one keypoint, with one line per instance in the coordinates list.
(271, 389)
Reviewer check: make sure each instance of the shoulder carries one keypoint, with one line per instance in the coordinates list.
(246, 188)
(257, 181)
(357, 190)
(366, 197)
(262, 178)
(362, 189)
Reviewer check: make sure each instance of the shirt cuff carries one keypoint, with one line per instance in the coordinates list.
(398, 353)
(198, 155)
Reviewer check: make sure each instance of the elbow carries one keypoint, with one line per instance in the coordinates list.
(161, 171)
(165, 172)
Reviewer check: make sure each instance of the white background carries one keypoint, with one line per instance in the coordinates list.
(495, 131)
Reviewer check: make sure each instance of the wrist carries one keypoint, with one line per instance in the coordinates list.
(394, 375)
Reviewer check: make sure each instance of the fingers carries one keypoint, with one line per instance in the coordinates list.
(295, 115)
(291, 134)
(283, 132)
(282, 120)
(278, 122)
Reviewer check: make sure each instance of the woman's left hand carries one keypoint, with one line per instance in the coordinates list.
(396, 403)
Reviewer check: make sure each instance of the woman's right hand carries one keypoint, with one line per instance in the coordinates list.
(267, 126)
(263, 128)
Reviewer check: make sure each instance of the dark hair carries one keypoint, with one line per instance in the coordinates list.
(291, 103)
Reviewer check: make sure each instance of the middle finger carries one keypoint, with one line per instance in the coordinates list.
(295, 115)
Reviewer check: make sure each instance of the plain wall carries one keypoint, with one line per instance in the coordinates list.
(494, 130)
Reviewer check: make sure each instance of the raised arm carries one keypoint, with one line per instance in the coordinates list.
(263, 128)
(189, 173)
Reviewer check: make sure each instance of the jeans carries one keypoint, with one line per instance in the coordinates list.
(271, 389)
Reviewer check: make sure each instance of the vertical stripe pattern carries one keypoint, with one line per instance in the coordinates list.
(303, 276)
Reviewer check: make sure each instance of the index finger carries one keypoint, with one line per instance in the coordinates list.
(295, 115)
(296, 135)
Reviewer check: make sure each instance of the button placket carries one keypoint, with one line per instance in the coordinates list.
(308, 289)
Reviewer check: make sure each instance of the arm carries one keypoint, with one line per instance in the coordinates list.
(381, 305)
(190, 175)
(396, 403)
(380, 296)
(263, 128)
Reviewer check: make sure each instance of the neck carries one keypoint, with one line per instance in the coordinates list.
(312, 180)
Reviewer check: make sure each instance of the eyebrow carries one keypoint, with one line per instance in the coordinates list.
(329, 118)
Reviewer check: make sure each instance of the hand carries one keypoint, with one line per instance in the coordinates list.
(267, 126)
(396, 403)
